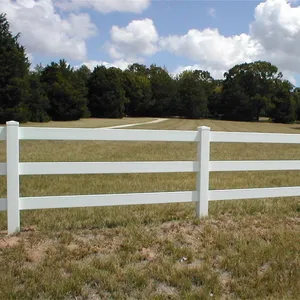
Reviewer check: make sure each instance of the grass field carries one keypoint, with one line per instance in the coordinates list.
(245, 249)
(90, 123)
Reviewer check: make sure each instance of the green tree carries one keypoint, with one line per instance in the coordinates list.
(14, 70)
(215, 102)
(137, 88)
(296, 96)
(163, 100)
(192, 95)
(67, 98)
(247, 89)
(138, 69)
(81, 78)
(106, 93)
(282, 107)
(38, 102)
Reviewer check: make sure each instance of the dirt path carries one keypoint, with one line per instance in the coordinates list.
(135, 124)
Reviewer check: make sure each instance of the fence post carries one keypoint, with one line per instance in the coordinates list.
(203, 173)
(12, 163)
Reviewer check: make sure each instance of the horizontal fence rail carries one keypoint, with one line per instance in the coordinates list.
(65, 168)
(49, 168)
(106, 200)
(29, 203)
(242, 165)
(254, 193)
(68, 134)
(13, 168)
(254, 137)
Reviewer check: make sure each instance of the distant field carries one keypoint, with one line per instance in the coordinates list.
(216, 125)
(90, 123)
(245, 249)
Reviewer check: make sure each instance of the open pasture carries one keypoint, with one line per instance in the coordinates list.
(245, 249)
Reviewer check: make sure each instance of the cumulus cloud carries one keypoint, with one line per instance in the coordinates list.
(91, 64)
(215, 73)
(138, 38)
(46, 32)
(105, 6)
(277, 28)
(210, 47)
(274, 35)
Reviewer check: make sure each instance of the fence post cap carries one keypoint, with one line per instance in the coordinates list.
(12, 123)
(203, 128)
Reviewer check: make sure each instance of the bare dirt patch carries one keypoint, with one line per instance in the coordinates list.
(11, 241)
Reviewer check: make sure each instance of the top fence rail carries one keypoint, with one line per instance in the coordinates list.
(101, 134)
(254, 137)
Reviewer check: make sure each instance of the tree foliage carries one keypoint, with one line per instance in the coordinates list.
(14, 70)
(192, 94)
(106, 93)
(138, 90)
(66, 94)
(247, 90)
(38, 102)
(282, 108)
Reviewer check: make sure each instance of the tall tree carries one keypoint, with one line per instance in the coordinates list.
(106, 93)
(138, 69)
(215, 102)
(14, 70)
(81, 78)
(296, 96)
(247, 89)
(192, 95)
(138, 91)
(67, 98)
(163, 92)
(38, 102)
(282, 107)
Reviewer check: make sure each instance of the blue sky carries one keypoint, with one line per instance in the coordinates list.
(177, 17)
(210, 35)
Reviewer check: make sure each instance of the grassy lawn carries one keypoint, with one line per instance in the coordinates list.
(245, 249)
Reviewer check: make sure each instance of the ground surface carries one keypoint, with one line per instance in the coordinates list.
(246, 249)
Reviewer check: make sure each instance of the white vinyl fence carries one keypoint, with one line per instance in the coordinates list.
(13, 204)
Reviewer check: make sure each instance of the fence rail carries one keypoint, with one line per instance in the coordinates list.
(13, 168)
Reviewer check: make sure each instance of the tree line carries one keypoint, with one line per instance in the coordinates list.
(59, 92)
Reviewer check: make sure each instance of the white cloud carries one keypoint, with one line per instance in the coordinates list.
(277, 28)
(91, 64)
(212, 12)
(105, 6)
(215, 73)
(138, 38)
(211, 48)
(45, 32)
(274, 35)
(30, 57)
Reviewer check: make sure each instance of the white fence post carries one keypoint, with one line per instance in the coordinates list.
(12, 160)
(203, 173)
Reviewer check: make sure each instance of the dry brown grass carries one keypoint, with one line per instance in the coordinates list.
(246, 249)
(90, 123)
